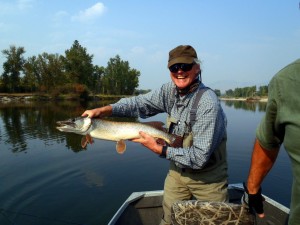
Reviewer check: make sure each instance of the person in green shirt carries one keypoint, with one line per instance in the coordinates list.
(280, 125)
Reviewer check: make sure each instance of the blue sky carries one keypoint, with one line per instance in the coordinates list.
(240, 42)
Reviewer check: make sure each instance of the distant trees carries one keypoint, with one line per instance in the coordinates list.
(119, 78)
(242, 92)
(72, 72)
(218, 92)
(263, 91)
(78, 65)
(12, 68)
(246, 92)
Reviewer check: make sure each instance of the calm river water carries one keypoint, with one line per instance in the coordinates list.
(47, 178)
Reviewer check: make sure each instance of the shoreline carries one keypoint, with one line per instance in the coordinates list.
(264, 99)
(31, 97)
(5, 97)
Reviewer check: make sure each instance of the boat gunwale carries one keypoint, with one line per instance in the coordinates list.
(133, 197)
(138, 195)
(267, 199)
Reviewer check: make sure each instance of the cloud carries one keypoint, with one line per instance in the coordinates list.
(137, 50)
(60, 15)
(25, 4)
(90, 13)
(15, 7)
(59, 18)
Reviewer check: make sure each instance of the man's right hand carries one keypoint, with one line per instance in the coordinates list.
(98, 112)
(254, 201)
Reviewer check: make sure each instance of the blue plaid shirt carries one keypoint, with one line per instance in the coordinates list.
(208, 130)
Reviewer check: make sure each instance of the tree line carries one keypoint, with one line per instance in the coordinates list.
(72, 72)
(247, 92)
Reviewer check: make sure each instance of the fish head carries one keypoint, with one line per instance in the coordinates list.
(79, 125)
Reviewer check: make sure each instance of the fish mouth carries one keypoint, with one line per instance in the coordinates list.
(65, 124)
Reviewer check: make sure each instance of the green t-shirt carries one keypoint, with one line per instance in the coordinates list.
(281, 124)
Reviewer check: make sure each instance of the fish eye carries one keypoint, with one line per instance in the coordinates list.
(73, 120)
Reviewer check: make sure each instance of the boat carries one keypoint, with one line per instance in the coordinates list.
(145, 208)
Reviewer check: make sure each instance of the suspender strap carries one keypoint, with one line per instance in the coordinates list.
(172, 99)
(193, 111)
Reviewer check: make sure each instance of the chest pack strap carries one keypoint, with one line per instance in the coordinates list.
(193, 111)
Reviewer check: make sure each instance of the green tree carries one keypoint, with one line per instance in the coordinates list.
(119, 78)
(263, 91)
(73, 72)
(138, 92)
(97, 79)
(49, 71)
(31, 78)
(244, 92)
(229, 93)
(218, 92)
(78, 65)
(13, 67)
(247, 92)
(238, 92)
(43, 72)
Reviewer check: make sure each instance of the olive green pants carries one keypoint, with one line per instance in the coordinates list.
(184, 185)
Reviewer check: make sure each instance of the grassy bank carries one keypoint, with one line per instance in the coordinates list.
(39, 96)
(262, 99)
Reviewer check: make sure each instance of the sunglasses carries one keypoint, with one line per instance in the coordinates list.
(183, 66)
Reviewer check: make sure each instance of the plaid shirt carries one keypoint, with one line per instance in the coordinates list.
(208, 130)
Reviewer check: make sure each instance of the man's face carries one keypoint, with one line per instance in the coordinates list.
(183, 78)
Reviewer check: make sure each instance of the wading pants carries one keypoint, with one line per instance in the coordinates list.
(183, 184)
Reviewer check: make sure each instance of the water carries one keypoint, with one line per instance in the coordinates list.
(47, 178)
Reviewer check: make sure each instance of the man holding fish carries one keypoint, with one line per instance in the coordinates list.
(198, 165)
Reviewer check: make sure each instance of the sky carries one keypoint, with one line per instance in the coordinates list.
(240, 42)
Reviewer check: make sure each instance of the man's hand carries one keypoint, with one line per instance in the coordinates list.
(149, 142)
(98, 112)
(254, 201)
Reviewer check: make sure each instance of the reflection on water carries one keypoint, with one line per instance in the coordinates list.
(46, 173)
(247, 105)
(22, 122)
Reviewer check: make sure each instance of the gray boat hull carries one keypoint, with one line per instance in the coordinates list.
(145, 208)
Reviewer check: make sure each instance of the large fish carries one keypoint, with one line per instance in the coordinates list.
(111, 130)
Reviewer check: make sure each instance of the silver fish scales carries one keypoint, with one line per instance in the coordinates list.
(111, 130)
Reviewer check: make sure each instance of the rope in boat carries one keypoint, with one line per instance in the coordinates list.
(5, 213)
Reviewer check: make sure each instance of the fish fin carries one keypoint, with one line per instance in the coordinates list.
(89, 139)
(121, 146)
(156, 124)
(84, 142)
